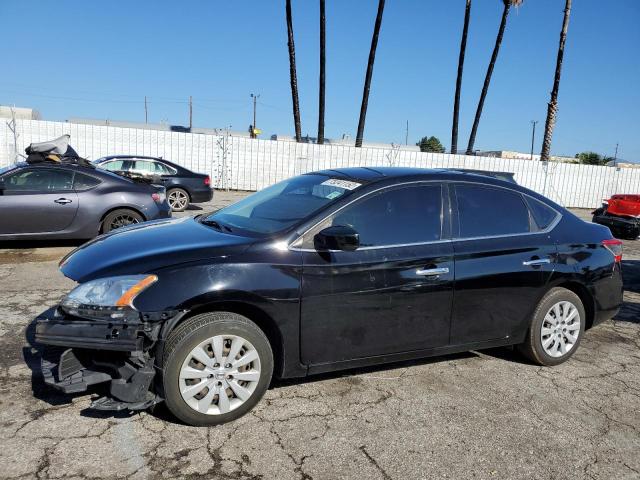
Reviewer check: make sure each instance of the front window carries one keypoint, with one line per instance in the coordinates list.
(39, 180)
(282, 205)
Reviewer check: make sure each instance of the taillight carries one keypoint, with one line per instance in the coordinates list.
(615, 247)
(207, 180)
(156, 197)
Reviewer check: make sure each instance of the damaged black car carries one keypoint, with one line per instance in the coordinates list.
(325, 271)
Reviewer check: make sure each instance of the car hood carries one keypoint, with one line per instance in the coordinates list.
(149, 246)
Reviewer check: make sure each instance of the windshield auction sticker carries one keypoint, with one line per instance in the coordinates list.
(346, 184)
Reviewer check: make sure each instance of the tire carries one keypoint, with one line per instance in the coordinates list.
(178, 199)
(120, 218)
(556, 300)
(187, 392)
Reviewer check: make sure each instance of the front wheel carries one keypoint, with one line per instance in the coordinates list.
(556, 328)
(217, 367)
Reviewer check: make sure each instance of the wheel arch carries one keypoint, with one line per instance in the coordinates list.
(254, 313)
(120, 207)
(181, 187)
(586, 297)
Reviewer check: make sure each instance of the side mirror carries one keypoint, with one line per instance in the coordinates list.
(338, 237)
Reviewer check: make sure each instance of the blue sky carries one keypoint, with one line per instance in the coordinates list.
(107, 56)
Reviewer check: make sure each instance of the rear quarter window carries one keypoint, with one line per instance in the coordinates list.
(84, 182)
(542, 214)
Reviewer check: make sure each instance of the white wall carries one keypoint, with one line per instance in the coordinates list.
(245, 164)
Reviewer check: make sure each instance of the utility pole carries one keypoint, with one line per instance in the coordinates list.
(533, 136)
(615, 156)
(253, 129)
(190, 112)
(406, 134)
(146, 117)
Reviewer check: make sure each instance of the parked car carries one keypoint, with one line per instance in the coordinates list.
(621, 213)
(183, 186)
(52, 200)
(325, 271)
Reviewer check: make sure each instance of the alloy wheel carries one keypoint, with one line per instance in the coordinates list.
(219, 374)
(560, 329)
(123, 220)
(178, 200)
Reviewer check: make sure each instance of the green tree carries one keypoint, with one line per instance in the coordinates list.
(591, 158)
(430, 144)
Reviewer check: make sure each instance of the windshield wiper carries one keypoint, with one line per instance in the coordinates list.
(214, 224)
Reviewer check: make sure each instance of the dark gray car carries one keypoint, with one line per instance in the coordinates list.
(68, 201)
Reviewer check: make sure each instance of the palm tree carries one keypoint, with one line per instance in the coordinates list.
(292, 74)
(456, 102)
(552, 109)
(487, 78)
(367, 78)
(321, 90)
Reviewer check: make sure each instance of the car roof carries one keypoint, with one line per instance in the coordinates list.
(73, 166)
(375, 174)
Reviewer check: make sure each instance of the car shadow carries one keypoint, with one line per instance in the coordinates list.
(194, 207)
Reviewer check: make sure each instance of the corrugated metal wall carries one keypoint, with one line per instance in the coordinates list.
(240, 163)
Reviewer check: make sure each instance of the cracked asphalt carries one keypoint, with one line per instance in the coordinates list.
(476, 415)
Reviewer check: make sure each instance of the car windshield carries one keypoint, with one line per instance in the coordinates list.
(280, 206)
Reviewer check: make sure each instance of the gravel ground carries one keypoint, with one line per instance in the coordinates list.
(476, 415)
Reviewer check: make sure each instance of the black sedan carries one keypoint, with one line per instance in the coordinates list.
(325, 271)
(183, 186)
(52, 200)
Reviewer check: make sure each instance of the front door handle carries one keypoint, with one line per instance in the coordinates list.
(432, 271)
(62, 201)
(536, 261)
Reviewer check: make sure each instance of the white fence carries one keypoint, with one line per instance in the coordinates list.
(239, 163)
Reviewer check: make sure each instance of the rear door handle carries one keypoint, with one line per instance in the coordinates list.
(536, 261)
(432, 271)
(62, 201)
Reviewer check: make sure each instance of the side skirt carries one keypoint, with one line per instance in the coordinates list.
(399, 357)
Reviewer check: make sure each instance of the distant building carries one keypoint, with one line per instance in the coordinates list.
(524, 156)
(19, 112)
(155, 126)
(346, 140)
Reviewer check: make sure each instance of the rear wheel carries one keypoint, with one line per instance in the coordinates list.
(556, 328)
(217, 367)
(120, 218)
(178, 199)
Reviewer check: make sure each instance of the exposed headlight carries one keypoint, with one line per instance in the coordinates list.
(106, 298)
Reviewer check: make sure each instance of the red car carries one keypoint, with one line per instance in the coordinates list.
(621, 213)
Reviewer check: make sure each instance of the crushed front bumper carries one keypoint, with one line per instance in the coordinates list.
(80, 353)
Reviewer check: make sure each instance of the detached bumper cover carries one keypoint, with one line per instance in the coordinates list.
(79, 353)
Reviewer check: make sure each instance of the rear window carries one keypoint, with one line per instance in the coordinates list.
(487, 211)
(542, 214)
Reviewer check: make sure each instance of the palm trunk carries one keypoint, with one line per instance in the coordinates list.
(487, 78)
(292, 74)
(322, 79)
(367, 79)
(456, 102)
(552, 109)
